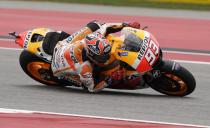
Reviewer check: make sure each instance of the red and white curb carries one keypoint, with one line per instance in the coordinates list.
(30, 119)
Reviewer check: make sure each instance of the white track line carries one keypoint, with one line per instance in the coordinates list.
(4, 48)
(187, 53)
(181, 61)
(3, 39)
(4, 110)
(193, 62)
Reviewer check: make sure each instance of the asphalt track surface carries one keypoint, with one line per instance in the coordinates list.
(18, 91)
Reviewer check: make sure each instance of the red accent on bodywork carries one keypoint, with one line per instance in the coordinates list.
(20, 39)
(145, 65)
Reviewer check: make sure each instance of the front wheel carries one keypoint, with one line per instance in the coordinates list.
(36, 68)
(172, 79)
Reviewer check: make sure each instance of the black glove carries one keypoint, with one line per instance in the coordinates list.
(132, 24)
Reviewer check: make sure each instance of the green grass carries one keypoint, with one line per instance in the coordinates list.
(140, 3)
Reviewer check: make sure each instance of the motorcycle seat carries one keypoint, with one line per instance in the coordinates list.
(51, 39)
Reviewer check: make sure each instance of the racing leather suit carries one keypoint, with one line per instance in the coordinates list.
(70, 59)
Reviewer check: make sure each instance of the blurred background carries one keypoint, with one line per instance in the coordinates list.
(182, 28)
(169, 4)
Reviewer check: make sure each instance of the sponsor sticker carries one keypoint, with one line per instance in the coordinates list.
(72, 55)
(123, 53)
(94, 49)
(87, 75)
(70, 38)
(27, 39)
(107, 49)
(143, 48)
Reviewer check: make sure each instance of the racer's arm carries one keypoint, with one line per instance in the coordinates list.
(82, 33)
(107, 28)
(85, 70)
(87, 79)
(104, 28)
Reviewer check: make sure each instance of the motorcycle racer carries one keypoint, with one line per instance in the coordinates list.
(80, 52)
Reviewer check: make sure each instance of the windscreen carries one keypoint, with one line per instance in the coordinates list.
(132, 42)
(37, 38)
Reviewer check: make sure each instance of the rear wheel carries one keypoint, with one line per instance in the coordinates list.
(172, 79)
(37, 68)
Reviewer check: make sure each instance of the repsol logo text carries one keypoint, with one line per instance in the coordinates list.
(72, 37)
(143, 48)
(72, 55)
(27, 39)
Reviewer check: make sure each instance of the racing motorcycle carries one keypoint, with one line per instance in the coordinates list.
(138, 54)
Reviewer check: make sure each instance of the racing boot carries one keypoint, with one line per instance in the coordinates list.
(98, 87)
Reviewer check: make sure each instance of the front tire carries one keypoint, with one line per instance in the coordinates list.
(36, 68)
(173, 79)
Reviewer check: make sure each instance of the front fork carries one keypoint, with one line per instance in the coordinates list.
(155, 72)
(151, 75)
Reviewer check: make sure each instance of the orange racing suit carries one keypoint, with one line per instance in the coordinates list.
(70, 59)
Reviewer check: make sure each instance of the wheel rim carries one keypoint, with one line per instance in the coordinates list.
(34, 69)
(172, 85)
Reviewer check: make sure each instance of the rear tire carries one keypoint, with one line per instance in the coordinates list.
(173, 80)
(37, 68)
